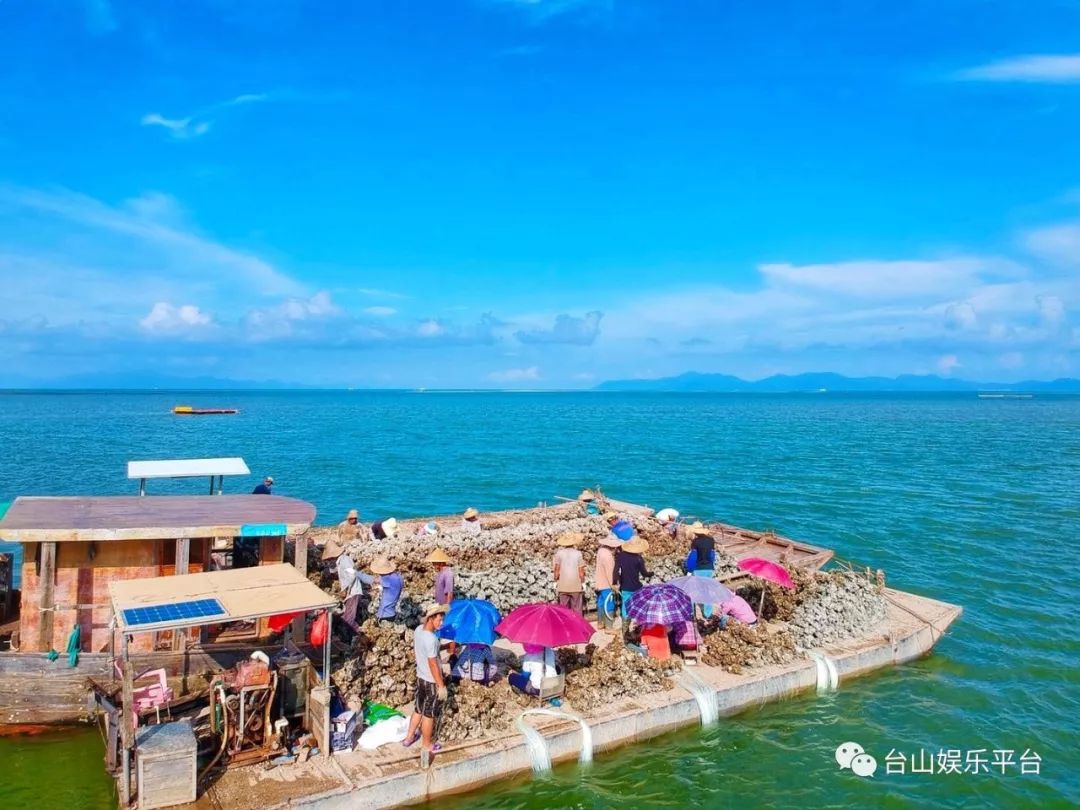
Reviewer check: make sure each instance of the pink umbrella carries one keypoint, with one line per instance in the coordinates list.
(545, 625)
(769, 571)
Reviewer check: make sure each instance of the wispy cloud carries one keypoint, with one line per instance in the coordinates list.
(179, 128)
(74, 258)
(379, 312)
(540, 11)
(199, 123)
(1033, 68)
(1058, 244)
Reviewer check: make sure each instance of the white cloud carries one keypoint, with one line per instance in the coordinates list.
(947, 364)
(1036, 68)
(318, 306)
(915, 310)
(567, 329)
(1059, 244)
(179, 128)
(879, 279)
(379, 312)
(198, 123)
(516, 374)
(288, 317)
(430, 328)
(165, 317)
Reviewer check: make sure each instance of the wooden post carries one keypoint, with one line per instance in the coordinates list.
(48, 585)
(300, 555)
(183, 557)
(127, 729)
(183, 554)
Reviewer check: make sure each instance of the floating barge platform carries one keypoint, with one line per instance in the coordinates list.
(76, 547)
(373, 780)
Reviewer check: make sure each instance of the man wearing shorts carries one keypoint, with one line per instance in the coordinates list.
(430, 686)
(569, 572)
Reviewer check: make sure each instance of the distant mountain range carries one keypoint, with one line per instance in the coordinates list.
(790, 383)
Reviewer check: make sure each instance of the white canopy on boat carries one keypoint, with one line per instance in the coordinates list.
(186, 468)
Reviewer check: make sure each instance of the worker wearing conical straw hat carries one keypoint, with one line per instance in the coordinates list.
(569, 570)
(470, 521)
(701, 561)
(431, 690)
(352, 529)
(603, 579)
(588, 499)
(629, 569)
(385, 574)
(444, 576)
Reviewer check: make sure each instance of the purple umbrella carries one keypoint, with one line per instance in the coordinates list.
(703, 590)
(660, 604)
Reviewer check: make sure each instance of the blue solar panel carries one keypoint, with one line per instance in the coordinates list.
(173, 612)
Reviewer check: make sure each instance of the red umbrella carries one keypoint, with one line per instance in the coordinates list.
(769, 571)
(545, 625)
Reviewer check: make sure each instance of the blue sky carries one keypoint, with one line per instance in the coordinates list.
(537, 193)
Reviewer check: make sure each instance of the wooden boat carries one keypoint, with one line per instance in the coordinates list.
(187, 410)
(73, 548)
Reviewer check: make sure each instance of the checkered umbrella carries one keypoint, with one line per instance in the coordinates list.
(660, 604)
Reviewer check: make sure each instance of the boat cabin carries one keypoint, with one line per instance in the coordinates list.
(74, 547)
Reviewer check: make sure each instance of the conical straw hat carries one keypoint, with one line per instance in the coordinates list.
(381, 566)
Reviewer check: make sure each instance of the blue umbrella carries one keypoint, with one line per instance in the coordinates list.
(471, 621)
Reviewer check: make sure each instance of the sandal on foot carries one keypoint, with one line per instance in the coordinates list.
(410, 741)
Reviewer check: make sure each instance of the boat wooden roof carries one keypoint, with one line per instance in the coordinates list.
(244, 593)
(156, 517)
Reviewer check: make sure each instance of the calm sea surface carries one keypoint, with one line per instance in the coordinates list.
(972, 501)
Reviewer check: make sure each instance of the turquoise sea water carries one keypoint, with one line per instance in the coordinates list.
(972, 501)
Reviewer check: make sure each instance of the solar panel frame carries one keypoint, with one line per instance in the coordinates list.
(173, 612)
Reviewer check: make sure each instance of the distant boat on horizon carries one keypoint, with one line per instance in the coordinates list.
(1003, 395)
(187, 410)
